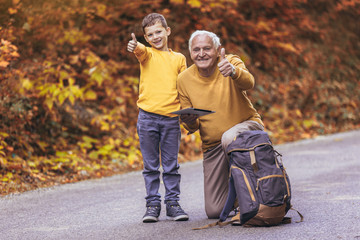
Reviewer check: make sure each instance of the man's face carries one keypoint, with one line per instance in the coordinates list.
(157, 36)
(204, 54)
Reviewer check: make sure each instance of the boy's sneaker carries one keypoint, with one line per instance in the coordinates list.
(175, 212)
(152, 213)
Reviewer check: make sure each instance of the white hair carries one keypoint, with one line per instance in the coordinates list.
(214, 38)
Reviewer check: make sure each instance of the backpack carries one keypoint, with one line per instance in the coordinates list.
(258, 181)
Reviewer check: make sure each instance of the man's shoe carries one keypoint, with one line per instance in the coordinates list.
(152, 213)
(234, 212)
(174, 212)
(236, 220)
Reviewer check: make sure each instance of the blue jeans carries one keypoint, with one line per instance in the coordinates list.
(159, 135)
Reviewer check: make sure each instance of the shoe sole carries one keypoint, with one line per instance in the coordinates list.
(178, 218)
(237, 223)
(150, 219)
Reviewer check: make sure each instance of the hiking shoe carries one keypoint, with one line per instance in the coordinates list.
(152, 213)
(236, 220)
(174, 212)
(234, 212)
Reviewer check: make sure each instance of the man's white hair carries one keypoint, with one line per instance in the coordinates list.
(214, 38)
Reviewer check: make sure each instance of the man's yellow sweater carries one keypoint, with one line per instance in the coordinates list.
(224, 95)
(159, 72)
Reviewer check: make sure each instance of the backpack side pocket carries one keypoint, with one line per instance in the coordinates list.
(245, 191)
(272, 189)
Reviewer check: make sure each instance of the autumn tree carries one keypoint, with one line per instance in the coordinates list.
(69, 88)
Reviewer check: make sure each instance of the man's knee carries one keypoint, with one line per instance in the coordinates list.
(229, 135)
(213, 213)
(226, 139)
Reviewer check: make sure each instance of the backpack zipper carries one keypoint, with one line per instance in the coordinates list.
(287, 184)
(271, 176)
(266, 177)
(248, 149)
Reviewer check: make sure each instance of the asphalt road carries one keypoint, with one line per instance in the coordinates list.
(325, 178)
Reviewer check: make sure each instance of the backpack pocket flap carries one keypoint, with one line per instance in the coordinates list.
(272, 190)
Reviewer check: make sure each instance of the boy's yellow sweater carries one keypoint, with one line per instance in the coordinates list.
(224, 95)
(159, 72)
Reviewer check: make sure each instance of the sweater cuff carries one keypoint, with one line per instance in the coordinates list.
(140, 50)
(237, 73)
(192, 128)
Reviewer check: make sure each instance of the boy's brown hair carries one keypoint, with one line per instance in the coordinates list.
(152, 19)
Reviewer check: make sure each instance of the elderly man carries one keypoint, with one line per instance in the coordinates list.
(216, 82)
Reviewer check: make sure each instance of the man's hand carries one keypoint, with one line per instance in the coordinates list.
(225, 67)
(189, 119)
(132, 43)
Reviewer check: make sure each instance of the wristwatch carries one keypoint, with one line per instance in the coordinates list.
(233, 71)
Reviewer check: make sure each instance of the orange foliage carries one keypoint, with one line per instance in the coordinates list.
(69, 87)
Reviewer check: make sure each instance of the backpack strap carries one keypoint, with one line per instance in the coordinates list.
(287, 220)
(218, 223)
(207, 226)
(301, 216)
(253, 160)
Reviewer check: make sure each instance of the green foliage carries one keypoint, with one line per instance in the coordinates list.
(68, 87)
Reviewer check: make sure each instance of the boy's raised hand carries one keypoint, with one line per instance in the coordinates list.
(132, 43)
(225, 67)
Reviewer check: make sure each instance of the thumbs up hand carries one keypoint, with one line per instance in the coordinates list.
(222, 54)
(132, 43)
(225, 67)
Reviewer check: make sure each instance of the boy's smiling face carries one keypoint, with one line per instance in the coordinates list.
(157, 36)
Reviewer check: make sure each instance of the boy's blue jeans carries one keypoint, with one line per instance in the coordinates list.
(159, 135)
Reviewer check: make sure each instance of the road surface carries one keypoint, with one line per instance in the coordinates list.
(325, 178)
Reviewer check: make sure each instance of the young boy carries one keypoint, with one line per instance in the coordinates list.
(158, 129)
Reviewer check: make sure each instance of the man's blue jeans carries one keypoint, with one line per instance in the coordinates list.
(159, 135)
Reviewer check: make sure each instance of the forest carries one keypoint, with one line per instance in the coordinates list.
(68, 86)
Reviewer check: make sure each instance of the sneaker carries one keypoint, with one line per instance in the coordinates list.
(152, 213)
(174, 212)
